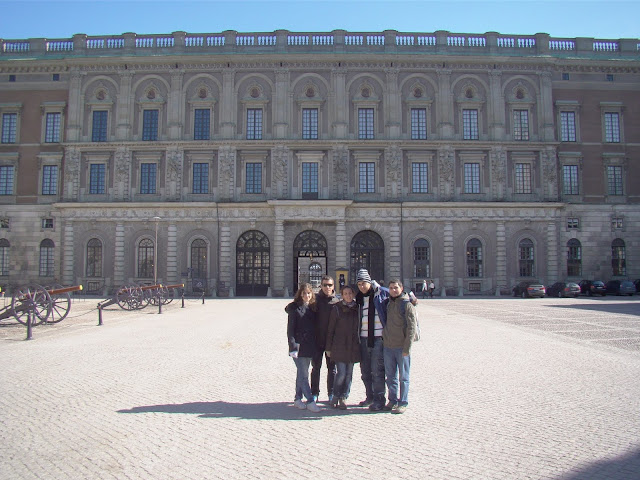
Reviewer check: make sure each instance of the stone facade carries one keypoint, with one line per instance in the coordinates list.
(259, 161)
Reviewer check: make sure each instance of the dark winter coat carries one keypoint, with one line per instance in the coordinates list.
(343, 335)
(301, 329)
(325, 305)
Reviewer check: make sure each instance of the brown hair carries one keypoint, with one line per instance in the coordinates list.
(302, 288)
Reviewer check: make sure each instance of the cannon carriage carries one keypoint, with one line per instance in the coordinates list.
(136, 297)
(49, 304)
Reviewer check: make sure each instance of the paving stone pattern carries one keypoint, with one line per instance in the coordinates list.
(501, 388)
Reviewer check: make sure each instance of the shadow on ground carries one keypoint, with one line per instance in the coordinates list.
(624, 467)
(627, 308)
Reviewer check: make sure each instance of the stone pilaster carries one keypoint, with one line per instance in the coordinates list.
(393, 177)
(550, 174)
(445, 112)
(72, 158)
(225, 260)
(498, 162)
(392, 104)
(496, 110)
(67, 255)
(501, 256)
(552, 253)
(281, 122)
(278, 257)
(175, 106)
(280, 161)
(395, 257)
(226, 172)
(228, 105)
(172, 254)
(340, 176)
(342, 259)
(119, 265)
(122, 174)
(446, 170)
(545, 107)
(173, 173)
(448, 256)
(339, 103)
(124, 110)
(76, 105)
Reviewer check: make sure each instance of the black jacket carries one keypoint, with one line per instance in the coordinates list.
(325, 305)
(301, 329)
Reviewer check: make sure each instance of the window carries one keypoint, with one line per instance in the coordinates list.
(4, 256)
(421, 258)
(612, 127)
(418, 124)
(254, 177)
(47, 223)
(365, 124)
(97, 178)
(55, 77)
(471, 178)
(420, 177)
(570, 184)
(470, 124)
(148, 178)
(199, 259)
(618, 258)
(150, 125)
(47, 248)
(610, 77)
(201, 124)
(309, 180)
(12, 78)
(310, 123)
(566, 76)
(523, 178)
(146, 252)
(9, 127)
(94, 258)
(52, 127)
(4, 223)
(526, 258)
(574, 258)
(200, 178)
(573, 223)
(617, 222)
(474, 258)
(367, 177)
(521, 125)
(49, 180)
(99, 126)
(254, 124)
(568, 126)
(614, 180)
(6, 179)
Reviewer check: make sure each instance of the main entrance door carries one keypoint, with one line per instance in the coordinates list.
(367, 251)
(252, 264)
(309, 258)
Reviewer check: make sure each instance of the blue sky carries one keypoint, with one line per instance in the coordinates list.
(601, 19)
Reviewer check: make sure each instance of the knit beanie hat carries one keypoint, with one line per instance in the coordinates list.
(363, 276)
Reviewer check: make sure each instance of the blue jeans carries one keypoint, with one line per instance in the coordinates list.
(394, 363)
(302, 378)
(342, 382)
(372, 369)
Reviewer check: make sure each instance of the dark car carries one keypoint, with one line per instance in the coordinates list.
(637, 284)
(529, 289)
(621, 287)
(563, 289)
(593, 287)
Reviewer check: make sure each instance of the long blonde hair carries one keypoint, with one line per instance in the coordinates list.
(303, 288)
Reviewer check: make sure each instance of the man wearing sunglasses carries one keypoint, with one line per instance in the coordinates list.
(325, 300)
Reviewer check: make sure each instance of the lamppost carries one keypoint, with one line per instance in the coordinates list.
(155, 254)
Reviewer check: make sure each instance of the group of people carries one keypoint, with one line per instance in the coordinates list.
(428, 288)
(369, 324)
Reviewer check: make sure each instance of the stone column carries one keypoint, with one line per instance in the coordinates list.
(545, 107)
(124, 110)
(392, 105)
(175, 106)
(118, 264)
(496, 106)
(228, 105)
(501, 256)
(444, 110)
(278, 274)
(339, 104)
(553, 266)
(172, 254)
(448, 256)
(225, 263)
(281, 104)
(74, 110)
(68, 277)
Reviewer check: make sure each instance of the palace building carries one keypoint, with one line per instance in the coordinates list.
(247, 163)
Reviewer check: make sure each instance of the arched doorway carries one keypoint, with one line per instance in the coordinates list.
(252, 264)
(309, 258)
(367, 251)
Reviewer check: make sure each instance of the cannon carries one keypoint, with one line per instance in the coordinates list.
(47, 304)
(130, 297)
(163, 295)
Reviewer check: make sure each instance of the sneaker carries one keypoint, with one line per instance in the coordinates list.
(390, 406)
(399, 409)
(376, 407)
(341, 404)
(315, 398)
(300, 404)
(330, 398)
(366, 402)
(313, 407)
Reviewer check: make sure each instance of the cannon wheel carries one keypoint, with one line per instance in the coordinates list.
(126, 297)
(168, 294)
(60, 305)
(42, 304)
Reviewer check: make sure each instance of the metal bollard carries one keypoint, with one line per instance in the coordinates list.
(182, 299)
(203, 298)
(99, 315)
(159, 306)
(29, 326)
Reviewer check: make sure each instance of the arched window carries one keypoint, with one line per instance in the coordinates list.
(146, 251)
(421, 258)
(4, 256)
(253, 263)
(47, 264)
(574, 258)
(618, 258)
(474, 258)
(199, 262)
(94, 258)
(367, 251)
(526, 258)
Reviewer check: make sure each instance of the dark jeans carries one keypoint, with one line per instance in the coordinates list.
(343, 379)
(316, 367)
(372, 369)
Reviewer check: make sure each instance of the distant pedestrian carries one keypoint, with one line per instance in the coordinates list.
(425, 288)
(432, 287)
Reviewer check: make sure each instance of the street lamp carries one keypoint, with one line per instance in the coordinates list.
(155, 253)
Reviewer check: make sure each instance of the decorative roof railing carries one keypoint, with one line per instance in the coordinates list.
(337, 41)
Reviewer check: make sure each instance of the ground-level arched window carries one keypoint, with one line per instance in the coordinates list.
(526, 258)
(4, 256)
(47, 248)
(618, 258)
(421, 258)
(474, 258)
(574, 258)
(146, 252)
(94, 258)
(199, 261)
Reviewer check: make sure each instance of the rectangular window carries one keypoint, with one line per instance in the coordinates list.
(420, 177)
(99, 127)
(4, 223)
(254, 177)
(4, 259)
(6, 180)
(47, 223)
(309, 180)
(521, 125)
(471, 178)
(418, 124)
(148, 178)
(573, 223)
(367, 177)
(570, 184)
(200, 178)
(523, 178)
(49, 180)
(52, 127)
(612, 128)
(150, 125)
(567, 126)
(470, 124)
(97, 178)
(365, 124)
(9, 126)
(201, 124)
(310, 123)
(254, 124)
(614, 180)
(617, 222)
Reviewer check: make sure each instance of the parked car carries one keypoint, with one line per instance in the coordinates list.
(637, 284)
(529, 289)
(593, 287)
(620, 287)
(563, 289)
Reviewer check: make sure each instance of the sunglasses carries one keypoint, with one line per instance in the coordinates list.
(327, 284)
